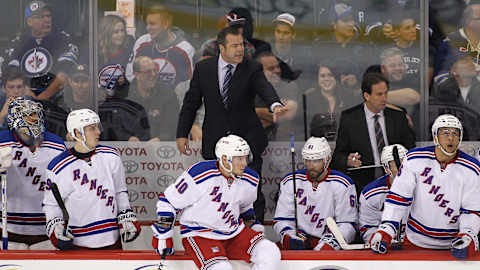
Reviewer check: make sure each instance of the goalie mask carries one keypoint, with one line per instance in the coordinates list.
(26, 117)
(446, 121)
(231, 146)
(316, 148)
(387, 156)
(78, 120)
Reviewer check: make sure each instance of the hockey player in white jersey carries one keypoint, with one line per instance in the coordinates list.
(372, 197)
(441, 184)
(216, 202)
(32, 149)
(91, 181)
(321, 193)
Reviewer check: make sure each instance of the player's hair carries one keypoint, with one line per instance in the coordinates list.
(105, 32)
(11, 75)
(138, 61)
(372, 78)
(162, 11)
(390, 52)
(264, 54)
(222, 35)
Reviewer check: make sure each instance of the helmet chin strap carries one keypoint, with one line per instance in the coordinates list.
(83, 143)
(435, 140)
(229, 171)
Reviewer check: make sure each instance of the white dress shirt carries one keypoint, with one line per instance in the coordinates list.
(369, 115)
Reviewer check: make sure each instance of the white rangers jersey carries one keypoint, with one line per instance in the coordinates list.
(371, 203)
(335, 196)
(93, 194)
(26, 182)
(443, 202)
(212, 205)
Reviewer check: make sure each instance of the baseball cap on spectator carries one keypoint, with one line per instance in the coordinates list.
(286, 18)
(234, 19)
(341, 11)
(35, 7)
(80, 74)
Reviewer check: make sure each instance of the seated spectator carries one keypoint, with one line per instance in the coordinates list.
(13, 86)
(158, 99)
(166, 46)
(461, 80)
(288, 91)
(40, 41)
(324, 102)
(343, 44)
(403, 88)
(77, 92)
(114, 44)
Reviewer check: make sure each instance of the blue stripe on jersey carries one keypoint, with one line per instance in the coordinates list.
(336, 176)
(422, 152)
(286, 228)
(96, 227)
(250, 176)
(57, 159)
(6, 136)
(299, 175)
(248, 215)
(63, 163)
(106, 149)
(379, 182)
(467, 211)
(397, 199)
(283, 218)
(435, 233)
(201, 167)
(210, 174)
(36, 219)
(468, 161)
(51, 140)
(340, 174)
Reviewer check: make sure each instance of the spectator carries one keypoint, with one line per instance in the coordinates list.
(77, 93)
(157, 98)
(342, 42)
(366, 128)
(333, 194)
(13, 87)
(289, 93)
(248, 30)
(44, 54)
(122, 119)
(114, 45)
(462, 42)
(284, 35)
(324, 103)
(229, 112)
(462, 83)
(166, 46)
(403, 87)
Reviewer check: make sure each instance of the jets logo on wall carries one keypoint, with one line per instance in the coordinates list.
(36, 62)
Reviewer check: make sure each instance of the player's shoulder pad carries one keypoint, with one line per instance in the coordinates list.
(468, 161)
(375, 187)
(53, 141)
(299, 175)
(6, 138)
(421, 153)
(59, 162)
(338, 177)
(104, 149)
(250, 176)
(203, 170)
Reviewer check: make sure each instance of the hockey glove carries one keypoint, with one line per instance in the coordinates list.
(162, 234)
(60, 237)
(381, 239)
(328, 242)
(293, 241)
(464, 244)
(129, 226)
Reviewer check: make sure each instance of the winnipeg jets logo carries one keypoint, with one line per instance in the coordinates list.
(36, 62)
(108, 76)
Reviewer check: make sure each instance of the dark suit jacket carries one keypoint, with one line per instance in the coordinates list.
(353, 137)
(240, 118)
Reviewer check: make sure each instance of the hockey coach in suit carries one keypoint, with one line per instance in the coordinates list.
(366, 128)
(228, 85)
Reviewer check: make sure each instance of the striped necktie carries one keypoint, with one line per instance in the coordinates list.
(226, 85)
(378, 134)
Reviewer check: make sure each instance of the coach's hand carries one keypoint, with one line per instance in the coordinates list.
(279, 110)
(182, 145)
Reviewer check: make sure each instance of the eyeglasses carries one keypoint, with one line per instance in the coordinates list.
(454, 133)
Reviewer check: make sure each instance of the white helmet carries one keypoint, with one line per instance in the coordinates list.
(316, 148)
(387, 155)
(446, 120)
(78, 120)
(231, 146)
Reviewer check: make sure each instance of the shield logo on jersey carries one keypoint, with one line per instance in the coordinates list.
(215, 249)
(166, 70)
(36, 62)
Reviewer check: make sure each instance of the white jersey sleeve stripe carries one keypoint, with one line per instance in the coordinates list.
(376, 191)
(186, 229)
(436, 233)
(95, 227)
(397, 199)
(26, 218)
(472, 166)
(64, 163)
(420, 154)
